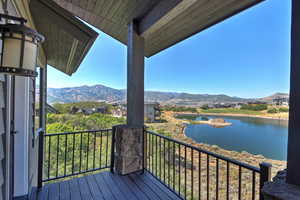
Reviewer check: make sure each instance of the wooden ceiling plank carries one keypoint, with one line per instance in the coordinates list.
(156, 14)
(179, 24)
(176, 11)
(210, 19)
(68, 23)
(111, 15)
(184, 20)
(91, 5)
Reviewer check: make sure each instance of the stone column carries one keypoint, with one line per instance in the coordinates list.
(279, 189)
(129, 149)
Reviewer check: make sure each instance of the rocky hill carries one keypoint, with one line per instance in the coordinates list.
(275, 96)
(103, 93)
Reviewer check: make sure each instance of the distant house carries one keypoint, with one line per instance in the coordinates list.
(281, 101)
(151, 112)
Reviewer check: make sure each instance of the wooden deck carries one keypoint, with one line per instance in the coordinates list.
(107, 186)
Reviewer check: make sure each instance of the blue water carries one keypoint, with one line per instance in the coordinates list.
(266, 137)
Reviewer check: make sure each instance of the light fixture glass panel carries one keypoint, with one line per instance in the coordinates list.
(11, 52)
(30, 54)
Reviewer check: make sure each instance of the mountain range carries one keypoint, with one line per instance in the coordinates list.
(104, 93)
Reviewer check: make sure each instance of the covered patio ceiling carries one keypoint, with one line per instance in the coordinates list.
(162, 23)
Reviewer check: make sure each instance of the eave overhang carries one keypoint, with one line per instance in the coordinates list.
(163, 23)
(68, 39)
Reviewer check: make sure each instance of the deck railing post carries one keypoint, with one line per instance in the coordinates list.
(265, 175)
(112, 153)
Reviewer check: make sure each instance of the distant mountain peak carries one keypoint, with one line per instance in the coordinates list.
(100, 92)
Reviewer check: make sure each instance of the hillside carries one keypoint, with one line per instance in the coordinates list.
(274, 96)
(103, 93)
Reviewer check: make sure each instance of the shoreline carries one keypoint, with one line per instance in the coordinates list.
(232, 115)
(228, 150)
(243, 156)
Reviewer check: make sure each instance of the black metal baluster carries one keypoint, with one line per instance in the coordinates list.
(66, 147)
(106, 152)
(200, 177)
(169, 161)
(185, 175)
(240, 182)
(192, 172)
(253, 185)
(160, 174)
(207, 180)
(164, 161)
(80, 152)
(156, 163)
(217, 178)
(147, 152)
(87, 151)
(49, 156)
(179, 170)
(152, 143)
(152, 153)
(94, 155)
(100, 153)
(228, 181)
(174, 166)
(57, 153)
(73, 153)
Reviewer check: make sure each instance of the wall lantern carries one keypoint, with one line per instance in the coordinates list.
(19, 47)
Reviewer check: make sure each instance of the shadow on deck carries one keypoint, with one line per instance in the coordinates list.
(108, 186)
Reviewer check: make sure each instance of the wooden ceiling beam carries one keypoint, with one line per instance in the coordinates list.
(155, 14)
(161, 14)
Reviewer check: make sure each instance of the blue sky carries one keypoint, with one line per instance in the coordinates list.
(247, 55)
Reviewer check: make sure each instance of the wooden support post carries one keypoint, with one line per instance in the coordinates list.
(293, 159)
(128, 139)
(42, 122)
(135, 77)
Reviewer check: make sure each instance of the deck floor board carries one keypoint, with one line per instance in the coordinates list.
(107, 186)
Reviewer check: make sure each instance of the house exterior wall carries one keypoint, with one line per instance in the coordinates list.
(21, 141)
(2, 137)
(25, 157)
(32, 139)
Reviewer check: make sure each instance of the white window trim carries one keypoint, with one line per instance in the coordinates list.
(22, 101)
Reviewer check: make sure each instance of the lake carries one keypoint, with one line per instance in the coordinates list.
(267, 137)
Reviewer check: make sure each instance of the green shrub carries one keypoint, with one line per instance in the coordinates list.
(67, 107)
(205, 107)
(273, 110)
(179, 109)
(283, 110)
(255, 107)
(68, 122)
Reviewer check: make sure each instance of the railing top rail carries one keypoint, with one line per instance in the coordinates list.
(224, 158)
(77, 132)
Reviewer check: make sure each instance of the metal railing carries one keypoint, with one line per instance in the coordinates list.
(194, 173)
(75, 153)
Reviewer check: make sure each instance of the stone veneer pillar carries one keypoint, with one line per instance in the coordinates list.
(129, 149)
(279, 189)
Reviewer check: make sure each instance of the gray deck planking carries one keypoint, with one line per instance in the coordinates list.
(107, 186)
